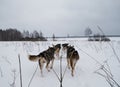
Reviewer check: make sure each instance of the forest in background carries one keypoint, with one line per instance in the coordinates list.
(12, 34)
(15, 35)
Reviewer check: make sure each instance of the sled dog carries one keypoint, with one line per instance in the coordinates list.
(57, 48)
(46, 56)
(72, 57)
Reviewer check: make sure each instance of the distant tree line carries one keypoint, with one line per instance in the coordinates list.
(95, 37)
(15, 35)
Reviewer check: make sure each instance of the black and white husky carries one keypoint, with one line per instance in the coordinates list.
(46, 56)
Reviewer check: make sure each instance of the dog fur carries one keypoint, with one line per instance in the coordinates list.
(57, 48)
(46, 56)
(72, 57)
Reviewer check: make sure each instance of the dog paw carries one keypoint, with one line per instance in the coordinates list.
(72, 75)
(48, 70)
(68, 67)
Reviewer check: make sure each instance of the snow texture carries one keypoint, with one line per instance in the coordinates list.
(91, 54)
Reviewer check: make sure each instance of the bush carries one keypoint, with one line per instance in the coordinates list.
(98, 37)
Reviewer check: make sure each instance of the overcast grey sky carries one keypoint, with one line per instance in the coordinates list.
(61, 17)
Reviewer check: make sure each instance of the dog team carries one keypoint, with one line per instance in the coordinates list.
(47, 56)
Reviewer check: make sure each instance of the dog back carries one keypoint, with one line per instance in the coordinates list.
(74, 55)
(70, 49)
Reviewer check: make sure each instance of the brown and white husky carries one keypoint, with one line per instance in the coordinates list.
(72, 57)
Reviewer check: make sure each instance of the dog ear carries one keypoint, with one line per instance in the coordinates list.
(67, 44)
(72, 46)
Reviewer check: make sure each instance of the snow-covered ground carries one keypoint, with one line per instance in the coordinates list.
(92, 56)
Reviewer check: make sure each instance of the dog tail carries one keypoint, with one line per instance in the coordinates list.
(34, 58)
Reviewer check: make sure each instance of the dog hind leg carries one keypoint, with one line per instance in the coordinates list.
(47, 66)
(68, 63)
(52, 63)
(73, 63)
(41, 66)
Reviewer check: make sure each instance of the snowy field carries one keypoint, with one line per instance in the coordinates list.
(98, 66)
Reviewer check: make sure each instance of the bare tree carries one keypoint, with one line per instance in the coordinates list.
(35, 34)
(26, 34)
(88, 31)
(53, 37)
